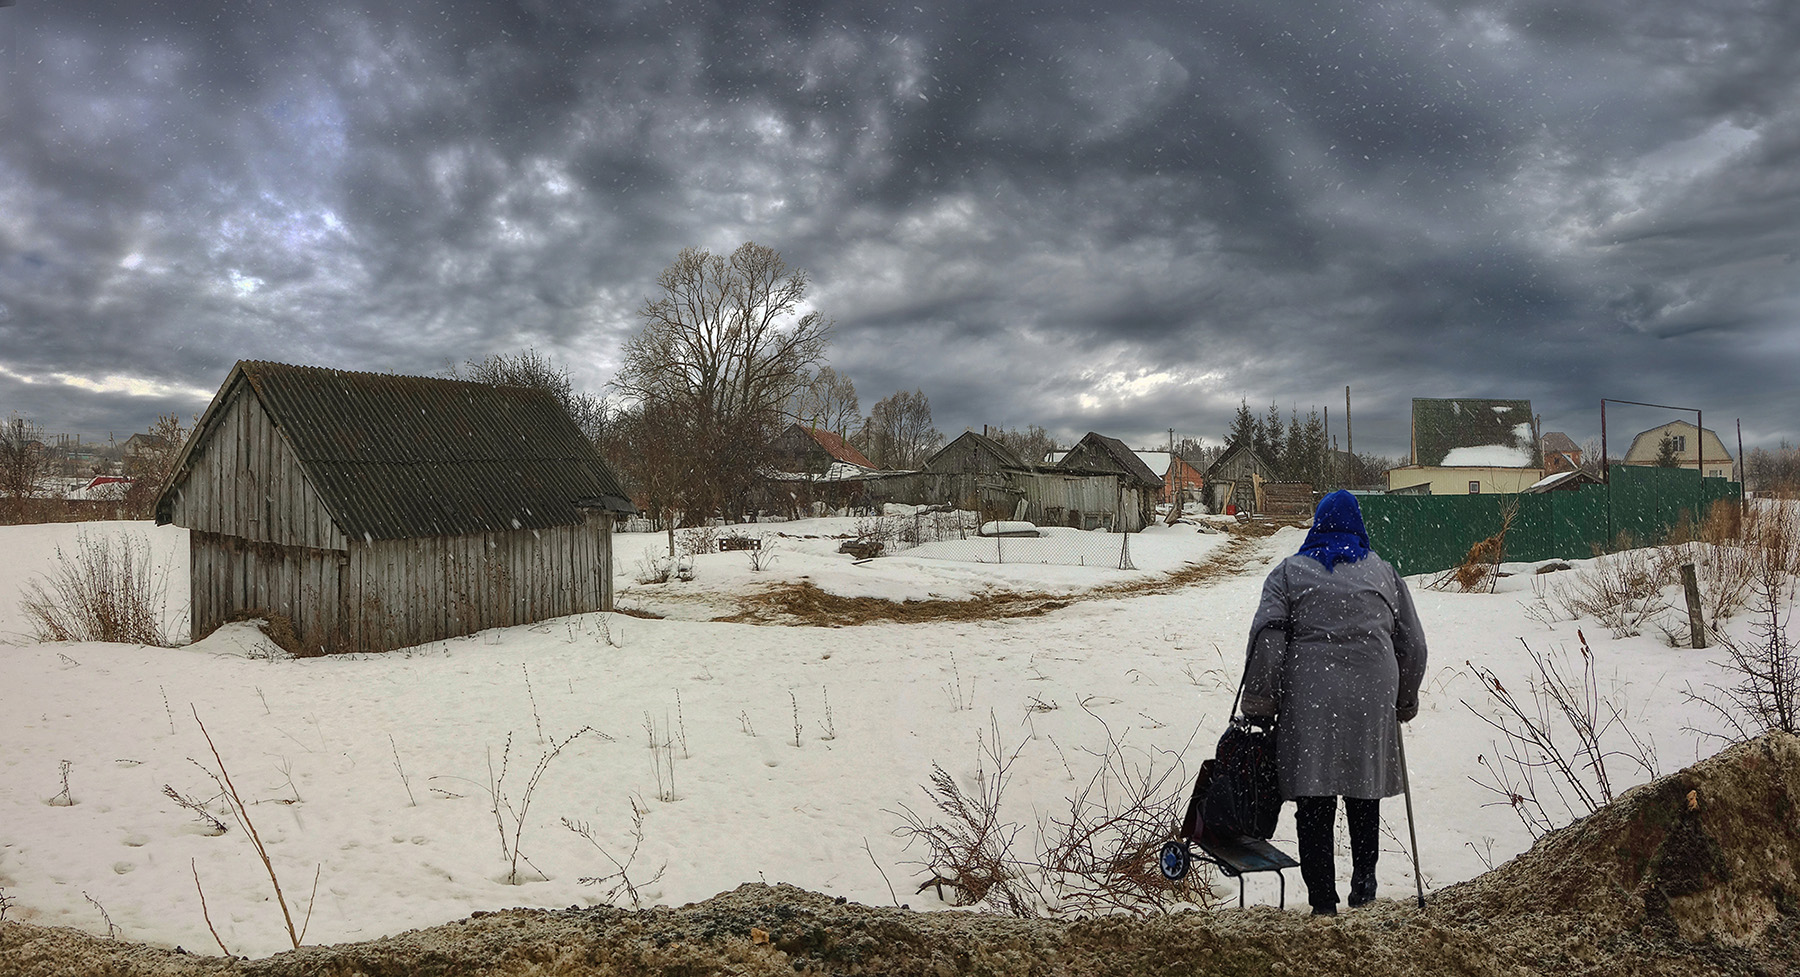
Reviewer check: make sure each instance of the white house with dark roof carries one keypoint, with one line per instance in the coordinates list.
(1469, 446)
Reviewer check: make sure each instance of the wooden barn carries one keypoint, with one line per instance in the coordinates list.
(1235, 481)
(1096, 452)
(376, 511)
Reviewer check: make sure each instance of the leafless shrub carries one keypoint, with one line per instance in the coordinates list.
(1535, 759)
(959, 701)
(1766, 694)
(6, 904)
(505, 808)
(829, 726)
(877, 533)
(619, 881)
(1101, 853)
(696, 540)
(761, 556)
(972, 852)
(112, 932)
(654, 567)
(1623, 591)
(1099, 856)
(107, 590)
(795, 701)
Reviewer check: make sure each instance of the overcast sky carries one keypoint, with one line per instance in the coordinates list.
(1121, 217)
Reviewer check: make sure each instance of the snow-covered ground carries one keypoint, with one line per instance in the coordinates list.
(791, 749)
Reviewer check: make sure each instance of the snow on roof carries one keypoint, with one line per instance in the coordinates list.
(1549, 480)
(1488, 456)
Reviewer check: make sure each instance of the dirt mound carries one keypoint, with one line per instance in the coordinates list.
(1692, 874)
(1709, 853)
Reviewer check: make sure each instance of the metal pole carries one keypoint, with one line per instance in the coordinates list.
(1406, 787)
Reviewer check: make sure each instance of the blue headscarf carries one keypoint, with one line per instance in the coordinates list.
(1337, 534)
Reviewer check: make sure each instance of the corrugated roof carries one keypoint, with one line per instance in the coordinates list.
(397, 457)
(1441, 425)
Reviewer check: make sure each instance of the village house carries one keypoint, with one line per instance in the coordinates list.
(375, 512)
(813, 470)
(1469, 446)
(1561, 453)
(1705, 451)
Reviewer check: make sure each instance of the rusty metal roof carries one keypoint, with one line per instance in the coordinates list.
(398, 457)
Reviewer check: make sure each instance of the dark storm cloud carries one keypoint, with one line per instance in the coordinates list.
(1122, 219)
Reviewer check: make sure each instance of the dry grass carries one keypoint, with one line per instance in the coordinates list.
(106, 590)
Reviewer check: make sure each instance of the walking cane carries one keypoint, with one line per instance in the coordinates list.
(1412, 832)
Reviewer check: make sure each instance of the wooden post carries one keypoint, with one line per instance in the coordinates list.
(1696, 624)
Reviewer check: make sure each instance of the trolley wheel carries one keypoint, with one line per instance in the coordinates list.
(1175, 860)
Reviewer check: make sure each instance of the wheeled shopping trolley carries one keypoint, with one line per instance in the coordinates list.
(1236, 856)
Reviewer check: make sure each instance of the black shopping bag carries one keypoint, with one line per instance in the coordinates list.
(1242, 789)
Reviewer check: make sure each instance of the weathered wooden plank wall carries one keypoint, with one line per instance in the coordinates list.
(409, 591)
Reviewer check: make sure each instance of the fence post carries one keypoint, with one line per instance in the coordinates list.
(1696, 624)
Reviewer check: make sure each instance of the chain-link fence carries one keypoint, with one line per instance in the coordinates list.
(957, 535)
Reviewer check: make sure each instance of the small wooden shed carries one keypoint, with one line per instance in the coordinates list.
(377, 511)
(1235, 480)
(1097, 452)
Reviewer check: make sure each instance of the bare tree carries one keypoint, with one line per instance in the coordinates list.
(23, 461)
(899, 432)
(149, 468)
(829, 403)
(643, 443)
(724, 348)
(529, 368)
(1591, 462)
(1031, 444)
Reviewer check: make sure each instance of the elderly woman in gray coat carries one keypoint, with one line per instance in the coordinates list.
(1337, 653)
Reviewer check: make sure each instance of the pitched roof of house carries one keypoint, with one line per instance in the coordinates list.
(1472, 431)
(1126, 459)
(1006, 456)
(839, 449)
(1558, 441)
(1231, 452)
(396, 457)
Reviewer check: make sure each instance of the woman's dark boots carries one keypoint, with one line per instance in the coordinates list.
(1313, 823)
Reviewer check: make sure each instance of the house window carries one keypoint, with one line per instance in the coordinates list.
(1680, 442)
(1474, 488)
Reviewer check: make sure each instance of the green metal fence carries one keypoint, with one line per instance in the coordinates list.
(1641, 506)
